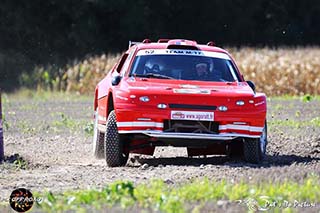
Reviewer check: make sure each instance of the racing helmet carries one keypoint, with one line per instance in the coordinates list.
(154, 65)
(205, 63)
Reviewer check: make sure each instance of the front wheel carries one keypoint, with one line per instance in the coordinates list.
(114, 144)
(255, 148)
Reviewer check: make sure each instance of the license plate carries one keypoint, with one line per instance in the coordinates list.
(192, 116)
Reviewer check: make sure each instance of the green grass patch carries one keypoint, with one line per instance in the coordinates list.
(26, 127)
(44, 95)
(14, 161)
(159, 196)
(64, 122)
(5, 123)
(21, 163)
(305, 98)
(314, 122)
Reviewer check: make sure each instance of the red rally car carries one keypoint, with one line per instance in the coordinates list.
(178, 93)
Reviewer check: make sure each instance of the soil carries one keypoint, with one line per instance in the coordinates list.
(49, 135)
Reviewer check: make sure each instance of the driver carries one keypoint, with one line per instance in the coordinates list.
(202, 71)
(153, 66)
(205, 71)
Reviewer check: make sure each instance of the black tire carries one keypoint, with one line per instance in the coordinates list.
(98, 140)
(254, 149)
(114, 144)
(235, 150)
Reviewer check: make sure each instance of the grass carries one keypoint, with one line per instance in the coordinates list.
(5, 123)
(159, 196)
(303, 98)
(20, 163)
(88, 128)
(60, 124)
(44, 95)
(32, 101)
(26, 127)
(314, 122)
(15, 161)
(66, 122)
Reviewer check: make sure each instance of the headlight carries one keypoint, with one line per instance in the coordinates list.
(162, 106)
(240, 103)
(144, 99)
(222, 108)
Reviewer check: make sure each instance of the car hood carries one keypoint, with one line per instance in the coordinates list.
(188, 95)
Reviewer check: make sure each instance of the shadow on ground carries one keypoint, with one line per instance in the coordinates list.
(269, 161)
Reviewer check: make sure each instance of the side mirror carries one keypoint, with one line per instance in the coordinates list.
(251, 84)
(116, 80)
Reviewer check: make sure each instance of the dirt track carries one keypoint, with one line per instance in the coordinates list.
(49, 135)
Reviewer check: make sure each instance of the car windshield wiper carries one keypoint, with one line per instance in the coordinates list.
(152, 75)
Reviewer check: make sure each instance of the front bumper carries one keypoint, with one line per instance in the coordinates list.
(157, 130)
(152, 123)
(190, 136)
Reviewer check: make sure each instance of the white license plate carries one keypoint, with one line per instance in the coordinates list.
(192, 115)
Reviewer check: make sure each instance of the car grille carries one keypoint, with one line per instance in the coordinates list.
(208, 127)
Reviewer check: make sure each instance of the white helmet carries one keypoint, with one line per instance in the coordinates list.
(205, 61)
(153, 66)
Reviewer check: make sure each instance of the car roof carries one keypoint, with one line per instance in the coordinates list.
(176, 44)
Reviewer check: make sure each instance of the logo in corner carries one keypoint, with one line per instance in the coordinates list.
(21, 200)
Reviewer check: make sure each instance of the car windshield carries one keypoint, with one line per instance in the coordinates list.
(184, 67)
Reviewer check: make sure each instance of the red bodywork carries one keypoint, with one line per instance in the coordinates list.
(145, 119)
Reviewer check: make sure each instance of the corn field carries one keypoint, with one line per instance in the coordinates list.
(282, 71)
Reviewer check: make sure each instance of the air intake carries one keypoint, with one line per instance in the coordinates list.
(182, 47)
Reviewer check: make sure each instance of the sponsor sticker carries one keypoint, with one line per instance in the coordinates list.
(192, 91)
(192, 115)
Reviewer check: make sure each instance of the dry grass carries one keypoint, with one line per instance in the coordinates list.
(283, 71)
(84, 76)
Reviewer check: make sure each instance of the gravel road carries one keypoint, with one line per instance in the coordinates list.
(49, 135)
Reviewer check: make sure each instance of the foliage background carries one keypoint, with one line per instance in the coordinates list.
(52, 35)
